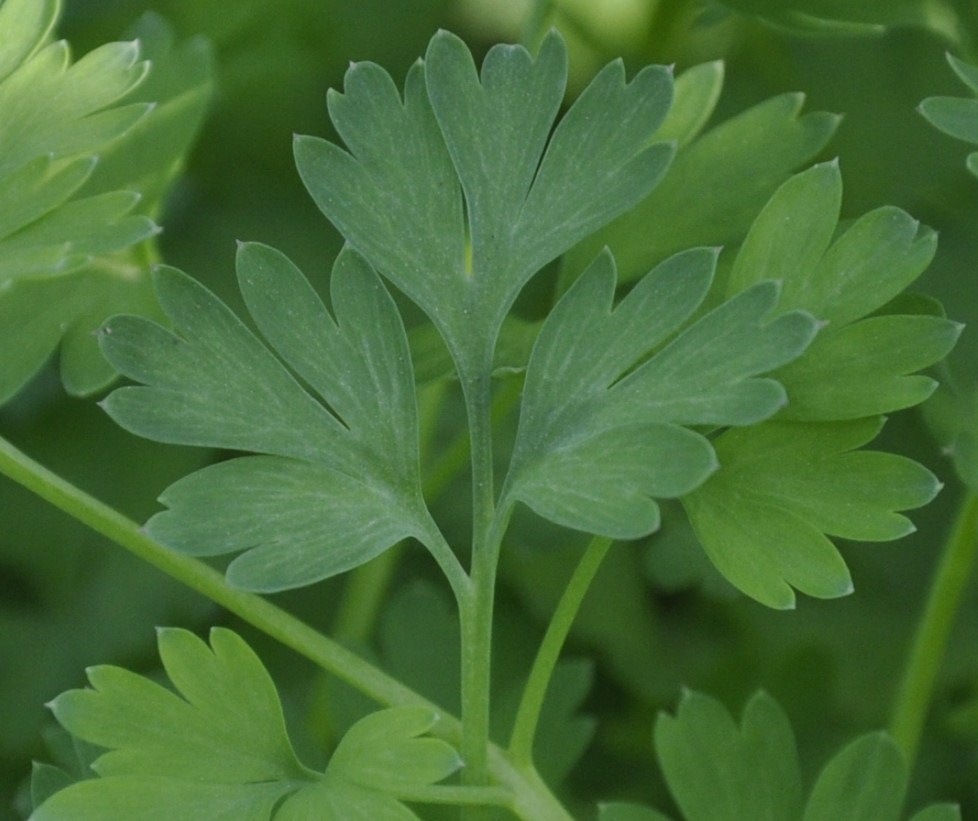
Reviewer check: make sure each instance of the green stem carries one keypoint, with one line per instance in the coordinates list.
(933, 632)
(363, 594)
(535, 26)
(198, 576)
(476, 612)
(528, 715)
(460, 796)
(530, 798)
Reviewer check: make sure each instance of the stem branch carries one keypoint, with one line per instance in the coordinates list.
(934, 630)
(476, 611)
(530, 797)
(528, 715)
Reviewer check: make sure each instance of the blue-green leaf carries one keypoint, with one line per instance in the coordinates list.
(340, 480)
(601, 431)
(396, 195)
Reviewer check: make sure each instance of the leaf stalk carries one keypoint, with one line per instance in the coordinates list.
(535, 691)
(934, 630)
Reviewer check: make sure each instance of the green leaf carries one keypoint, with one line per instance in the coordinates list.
(956, 116)
(46, 780)
(828, 382)
(342, 802)
(339, 480)
(716, 769)
(400, 181)
(598, 436)
(217, 747)
(225, 726)
(27, 26)
(695, 96)
(841, 282)
(383, 752)
(865, 781)
(150, 798)
(75, 228)
(714, 188)
(783, 487)
(952, 415)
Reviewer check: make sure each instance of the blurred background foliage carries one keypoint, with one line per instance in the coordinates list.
(659, 617)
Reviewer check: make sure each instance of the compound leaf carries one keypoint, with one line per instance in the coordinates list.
(526, 199)
(85, 157)
(218, 746)
(716, 769)
(957, 116)
(601, 431)
(338, 480)
(865, 781)
(715, 186)
(695, 96)
(385, 752)
(952, 415)
(856, 367)
(225, 725)
(764, 518)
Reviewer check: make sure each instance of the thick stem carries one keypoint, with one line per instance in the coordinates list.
(934, 630)
(476, 612)
(528, 715)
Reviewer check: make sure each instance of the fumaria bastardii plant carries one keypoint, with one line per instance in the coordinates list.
(742, 382)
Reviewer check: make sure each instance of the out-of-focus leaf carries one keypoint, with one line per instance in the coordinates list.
(716, 769)
(714, 187)
(84, 166)
(957, 116)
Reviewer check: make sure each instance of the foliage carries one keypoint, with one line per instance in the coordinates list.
(625, 316)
